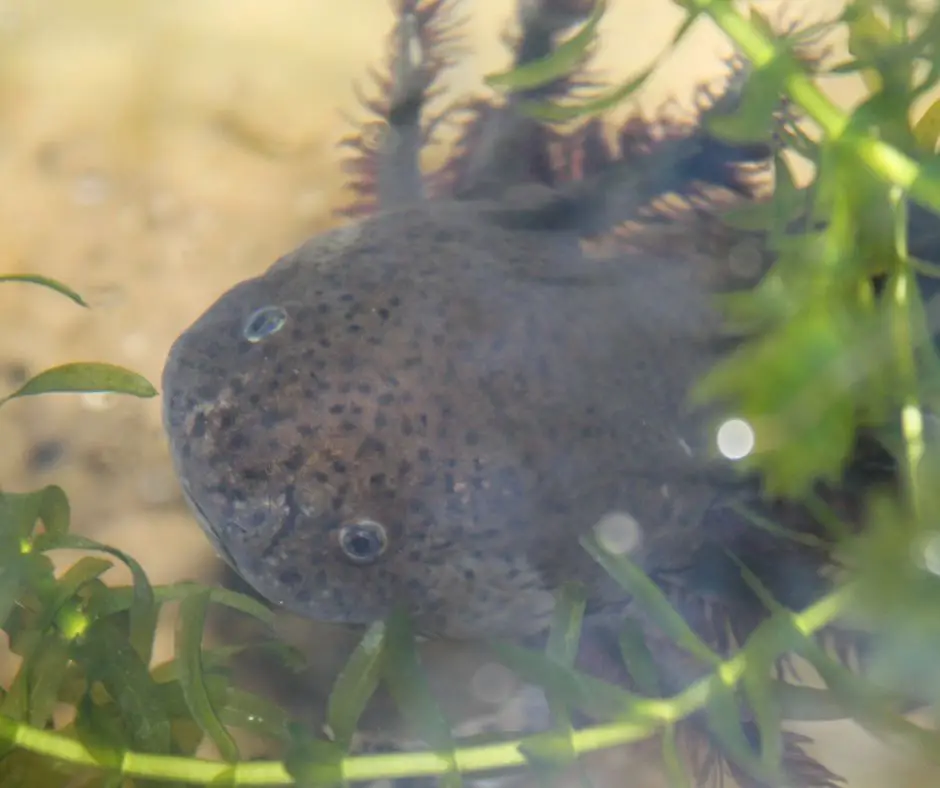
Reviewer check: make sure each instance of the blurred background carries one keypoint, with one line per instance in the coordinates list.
(155, 152)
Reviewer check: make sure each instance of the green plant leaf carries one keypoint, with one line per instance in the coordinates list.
(559, 64)
(313, 763)
(189, 666)
(565, 630)
(249, 712)
(564, 637)
(46, 674)
(551, 112)
(548, 754)
(638, 658)
(598, 699)
(19, 512)
(85, 377)
(647, 594)
(143, 606)
(109, 658)
(408, 686)
(761, 97)
(767, 716)
(676, 774)
(800, 703)
(101, 729)
(724, 721)
(355, 685)
(797, 388)
(80, 574)
(45, 281)
(13, 571)
(121, 598)
(219, 658)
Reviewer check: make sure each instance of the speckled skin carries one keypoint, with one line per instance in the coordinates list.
(485, 393)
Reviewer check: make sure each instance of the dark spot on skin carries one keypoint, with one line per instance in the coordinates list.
(339, 466)
(377, 479)
(338, 408)
(324, 342)
(380, 421)
(255, 474)
(271, 418)
(383, 313)
(370, 446)
(295, 460)
(306, 430)
(364, 388)
(227, 420)
(238, 441)
(348, 426)
(354, 328)
(290, 578)
(321, 477)
(385, 399)
(198, 429)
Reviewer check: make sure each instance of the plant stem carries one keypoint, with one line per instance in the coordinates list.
(363, 768)
(884, 160)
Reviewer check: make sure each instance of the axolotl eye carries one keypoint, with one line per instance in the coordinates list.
(263, 322)
(363, 541)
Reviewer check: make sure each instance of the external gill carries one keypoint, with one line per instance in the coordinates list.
(384, 167)
(621, 176)
(498, 146)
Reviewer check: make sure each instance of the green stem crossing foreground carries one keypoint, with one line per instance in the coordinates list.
(884, 160)
(373, 767)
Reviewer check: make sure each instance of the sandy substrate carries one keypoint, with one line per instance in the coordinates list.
(154, 153)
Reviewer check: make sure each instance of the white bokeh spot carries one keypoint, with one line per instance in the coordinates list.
(493, 683)
(735, 439)
(618, 533)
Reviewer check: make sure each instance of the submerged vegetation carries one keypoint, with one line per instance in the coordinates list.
(835, 378)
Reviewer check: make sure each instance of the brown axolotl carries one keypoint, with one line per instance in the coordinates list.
(428, 407)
